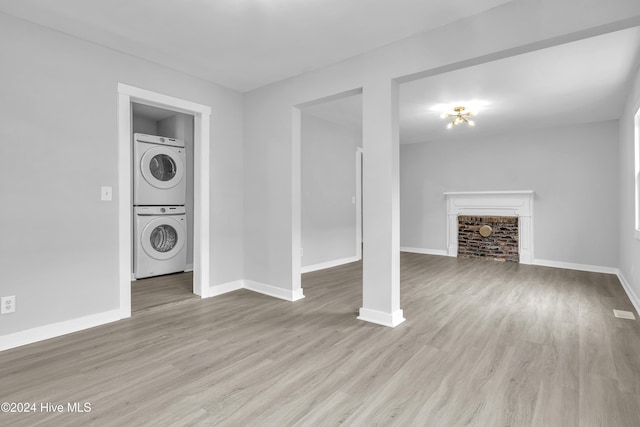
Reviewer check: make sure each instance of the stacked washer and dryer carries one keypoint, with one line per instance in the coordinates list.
(159, 193)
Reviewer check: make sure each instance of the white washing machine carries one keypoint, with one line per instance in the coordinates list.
(161, 240)
(159, 171)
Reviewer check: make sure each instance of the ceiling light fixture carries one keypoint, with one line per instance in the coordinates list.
(460, 116)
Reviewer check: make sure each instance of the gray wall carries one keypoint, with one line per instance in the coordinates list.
(328, 174)
(59, 127)
(572, 169)
(629, 245)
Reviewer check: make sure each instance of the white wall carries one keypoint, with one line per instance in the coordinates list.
(513, 28)
(59, 127)
(572, 169)
(328, 185)
(629, 245)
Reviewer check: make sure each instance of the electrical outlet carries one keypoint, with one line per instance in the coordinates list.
(301, 252)
(106, 193)
(8, 305)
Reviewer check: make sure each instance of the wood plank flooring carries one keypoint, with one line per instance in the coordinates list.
(158, 291)
(485, 344)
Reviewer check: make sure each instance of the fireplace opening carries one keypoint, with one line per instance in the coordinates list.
(488, 237)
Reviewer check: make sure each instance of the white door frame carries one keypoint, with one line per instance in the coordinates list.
(201, 250)
(359, 203)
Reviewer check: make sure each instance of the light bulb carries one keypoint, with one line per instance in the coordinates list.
(471, 123)
(443, 115)
(450, 125)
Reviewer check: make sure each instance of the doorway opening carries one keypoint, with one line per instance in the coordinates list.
(331, 182)
(161, 275)
(137, 109)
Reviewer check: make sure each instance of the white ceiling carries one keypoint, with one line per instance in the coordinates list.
(243, 44)
(578, 82)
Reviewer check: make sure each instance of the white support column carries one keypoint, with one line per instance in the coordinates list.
(381, 206)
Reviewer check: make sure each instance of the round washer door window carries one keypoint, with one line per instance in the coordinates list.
(162, 167)
(162, 238)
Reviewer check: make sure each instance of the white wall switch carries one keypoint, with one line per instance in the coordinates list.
(8, 304)
(107, 193)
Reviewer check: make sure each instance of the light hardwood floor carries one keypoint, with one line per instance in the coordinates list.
(154, 292)
(484, 344)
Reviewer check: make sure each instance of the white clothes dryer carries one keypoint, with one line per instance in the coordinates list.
(161, 240)
(159, 171)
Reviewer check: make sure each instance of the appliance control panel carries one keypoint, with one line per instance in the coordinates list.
(159, 140)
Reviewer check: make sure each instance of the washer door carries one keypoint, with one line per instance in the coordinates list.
(161, 167)
(162, 238)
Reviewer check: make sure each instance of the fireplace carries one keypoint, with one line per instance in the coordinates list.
(517, 206)
(488, 237)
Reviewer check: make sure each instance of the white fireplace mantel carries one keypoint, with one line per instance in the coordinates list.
(492, 203)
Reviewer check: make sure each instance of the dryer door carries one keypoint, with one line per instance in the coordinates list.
(162, 167)
(163, 238)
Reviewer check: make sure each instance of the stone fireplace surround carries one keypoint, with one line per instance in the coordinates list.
(492, 203)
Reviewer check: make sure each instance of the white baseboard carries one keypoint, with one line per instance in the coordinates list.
(424, 251)
(381, 318)
(274, 291)
(225, 287)
(633, 297)
(329, 264)
(573, 266)
(46, 332)
(189, 267)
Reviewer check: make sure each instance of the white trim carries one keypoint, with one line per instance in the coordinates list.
(329, 264)
(492, 203)
(441, 252)
(201, 252)
(226, 287)
(261, 288)
(380, 318)
(274, 291)
(488, 193)
(633, 297)
(125, 229)
(296, 199)
(574, 266)
(188, 268)
(54, 330)
(636, 174)
(359, 203)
